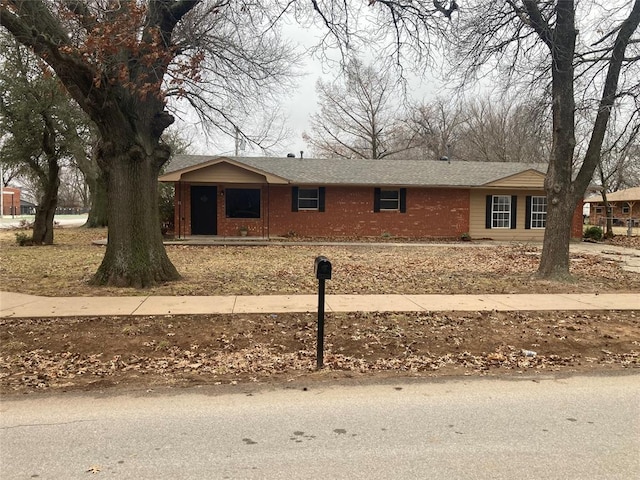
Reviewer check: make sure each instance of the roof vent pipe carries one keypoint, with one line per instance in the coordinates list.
(301, 153)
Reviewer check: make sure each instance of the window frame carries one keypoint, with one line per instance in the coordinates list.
(315, 199)
(320, 199)
(401, 199)
(395, 200)
(541, 221)
(495, 213)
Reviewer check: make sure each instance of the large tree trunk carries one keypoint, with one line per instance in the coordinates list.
(554, 263)
(135, 255)
(561, 198)
(98, 213)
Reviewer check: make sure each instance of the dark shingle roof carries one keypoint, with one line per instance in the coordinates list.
(369, 172)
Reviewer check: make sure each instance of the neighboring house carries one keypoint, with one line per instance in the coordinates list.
(27, 208)
(275, 197)
(10, 201)
(624, 205)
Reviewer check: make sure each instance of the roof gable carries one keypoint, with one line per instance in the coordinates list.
(529, 178)
(220, 169)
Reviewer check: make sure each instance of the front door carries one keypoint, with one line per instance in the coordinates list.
(204, 210)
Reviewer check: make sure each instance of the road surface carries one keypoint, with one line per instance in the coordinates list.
(551, 428)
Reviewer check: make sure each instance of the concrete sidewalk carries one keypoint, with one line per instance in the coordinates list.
(19, 305)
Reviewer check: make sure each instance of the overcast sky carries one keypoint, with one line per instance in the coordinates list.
(300, 104)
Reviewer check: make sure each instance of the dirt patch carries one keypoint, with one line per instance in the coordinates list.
(122, 353)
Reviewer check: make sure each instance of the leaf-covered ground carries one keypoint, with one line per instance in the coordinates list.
(460, 268)
(60, 354)
(116, 353)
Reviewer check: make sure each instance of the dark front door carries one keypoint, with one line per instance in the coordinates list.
(204, 210)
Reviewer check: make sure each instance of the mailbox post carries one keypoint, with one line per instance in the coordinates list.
(322, 269)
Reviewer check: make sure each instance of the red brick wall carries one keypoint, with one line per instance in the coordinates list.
(600, 218)
(10, 197)
(349, 212)
(577, 223)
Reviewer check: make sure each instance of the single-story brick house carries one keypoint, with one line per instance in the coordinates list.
(624, 205)
(273, 197)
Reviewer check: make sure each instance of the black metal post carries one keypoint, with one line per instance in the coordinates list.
(320, 342)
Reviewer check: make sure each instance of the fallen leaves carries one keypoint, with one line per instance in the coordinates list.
(217, 349)
(288, 269)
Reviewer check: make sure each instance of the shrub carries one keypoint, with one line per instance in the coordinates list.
(23, 239)
(465, 237)
(593, 233)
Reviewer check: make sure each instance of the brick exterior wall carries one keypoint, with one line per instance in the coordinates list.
(598, 217)
(10, 197)
(349, 212)
(577, 224)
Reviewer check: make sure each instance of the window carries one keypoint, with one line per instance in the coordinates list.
(626, 210)
(307, 198)
(501, 211)
(242, 202)
(538, 212)
(599, 209)
(390, 200)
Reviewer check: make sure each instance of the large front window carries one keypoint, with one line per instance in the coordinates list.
(242, 202)
(538, 212)
(501, 211)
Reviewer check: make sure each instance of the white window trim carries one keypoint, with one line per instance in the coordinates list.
(534, 221)
(500, 212)
(316, 198)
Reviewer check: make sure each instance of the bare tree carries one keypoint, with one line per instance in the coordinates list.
(360, 116)
(575, 47)
(125, 63)
(438, 128)
(504, 130)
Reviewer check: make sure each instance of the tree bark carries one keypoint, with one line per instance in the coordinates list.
(135, 255)
(561, 198)
(49, 182)
(43, 222)
(98, 212)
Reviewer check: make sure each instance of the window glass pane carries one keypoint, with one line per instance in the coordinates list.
(389, 199)
(389, 194)
(308, 199)
(501, 211)
(242, 202)
(307, 204)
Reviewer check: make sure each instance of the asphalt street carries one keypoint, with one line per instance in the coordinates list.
(551, 428)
